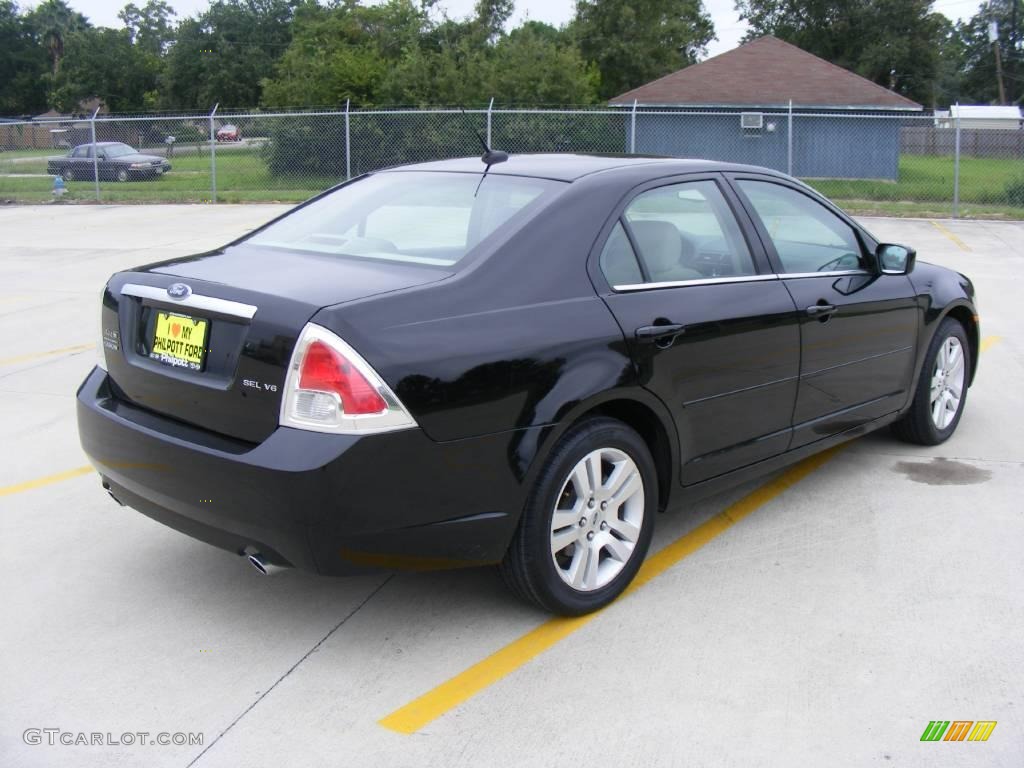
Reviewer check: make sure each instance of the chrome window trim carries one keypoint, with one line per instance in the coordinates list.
(193, 301)
(837, 273)
(699, 281)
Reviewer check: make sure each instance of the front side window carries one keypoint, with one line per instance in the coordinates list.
(687, 232)
(807, 236)
(408, 216)
(82, 151)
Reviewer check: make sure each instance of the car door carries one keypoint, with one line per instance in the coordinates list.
(711, 329)
(858, 326)
(105, 166)
(80, 162)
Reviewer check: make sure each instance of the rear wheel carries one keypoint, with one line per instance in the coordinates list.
(588, 521)
(941, 390)
(122, 174)
(67, 174)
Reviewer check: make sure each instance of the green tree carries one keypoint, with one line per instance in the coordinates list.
(395, 54)
(894, 43)
(224, 54)
(531, 66)
(53, 21)
(103, 62)
(492, 16)
(635, 41)
(978, 83)
(949, 74)
(150, 27)
(343, 53)
(23, 64)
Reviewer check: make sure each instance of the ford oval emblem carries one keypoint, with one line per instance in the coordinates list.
(179, 291)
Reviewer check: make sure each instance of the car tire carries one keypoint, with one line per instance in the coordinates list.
(67, 174)
(122, 174)
(941, 392)
(605, 527)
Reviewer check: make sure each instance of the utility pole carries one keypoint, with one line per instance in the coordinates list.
(993, 36)
(1011, 59)
(999, 76)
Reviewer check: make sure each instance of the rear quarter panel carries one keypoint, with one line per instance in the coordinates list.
(517, 338)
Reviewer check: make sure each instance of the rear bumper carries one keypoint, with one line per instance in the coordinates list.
(331, 504)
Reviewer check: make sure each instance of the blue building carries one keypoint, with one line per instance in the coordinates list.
(770, 103)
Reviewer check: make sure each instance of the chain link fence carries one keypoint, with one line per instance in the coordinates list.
(870, 163)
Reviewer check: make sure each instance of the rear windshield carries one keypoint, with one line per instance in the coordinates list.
(415, 217)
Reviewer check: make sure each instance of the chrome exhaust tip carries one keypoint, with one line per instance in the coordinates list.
(257, 561)
(110, 493)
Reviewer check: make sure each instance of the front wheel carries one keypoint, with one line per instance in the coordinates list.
(122, 174)
(941, 390)
(588, 521)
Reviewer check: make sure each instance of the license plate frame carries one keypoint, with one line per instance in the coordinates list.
(179, 341)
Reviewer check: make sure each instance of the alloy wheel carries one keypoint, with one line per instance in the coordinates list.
(947, 382)
(597, 519)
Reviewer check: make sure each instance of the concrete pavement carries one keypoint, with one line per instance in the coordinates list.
(882, 591)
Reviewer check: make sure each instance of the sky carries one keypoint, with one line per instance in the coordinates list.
(728, 26)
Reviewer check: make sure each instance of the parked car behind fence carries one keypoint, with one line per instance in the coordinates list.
(113, 162)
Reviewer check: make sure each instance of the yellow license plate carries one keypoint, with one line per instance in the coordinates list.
(179, 340)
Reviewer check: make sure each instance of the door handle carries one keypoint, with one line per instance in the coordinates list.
(659, 333)
(820, 310)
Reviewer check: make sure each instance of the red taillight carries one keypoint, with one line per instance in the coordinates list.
(331, 388)
(326, 370)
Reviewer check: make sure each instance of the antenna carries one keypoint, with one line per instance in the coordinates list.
(490, 156)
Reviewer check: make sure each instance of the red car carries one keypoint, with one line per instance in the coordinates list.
(229, 133)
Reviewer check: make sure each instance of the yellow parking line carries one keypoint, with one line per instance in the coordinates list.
(989, 341)
(50, 353)
(39, 482)
(950, 235)
(453, 692)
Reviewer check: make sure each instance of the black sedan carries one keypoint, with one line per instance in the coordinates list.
(114, 161)
(433, 367)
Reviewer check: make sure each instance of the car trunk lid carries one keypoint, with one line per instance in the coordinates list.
(248, 306)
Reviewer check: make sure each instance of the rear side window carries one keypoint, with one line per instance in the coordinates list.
(688, 232)
(414, 217)
(82, 151)
(618, 261)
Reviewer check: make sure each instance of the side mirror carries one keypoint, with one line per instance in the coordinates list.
(895, 259)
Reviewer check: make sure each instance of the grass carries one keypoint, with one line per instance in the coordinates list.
(11, 154)
(242, 176)
(924, 188)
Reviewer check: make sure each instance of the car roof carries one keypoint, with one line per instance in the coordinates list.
(570, 167)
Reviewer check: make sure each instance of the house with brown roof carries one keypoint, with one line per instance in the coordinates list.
(771, 103)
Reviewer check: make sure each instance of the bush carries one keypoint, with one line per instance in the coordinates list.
(315, 144)
(1014, 191)
(306, 146)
